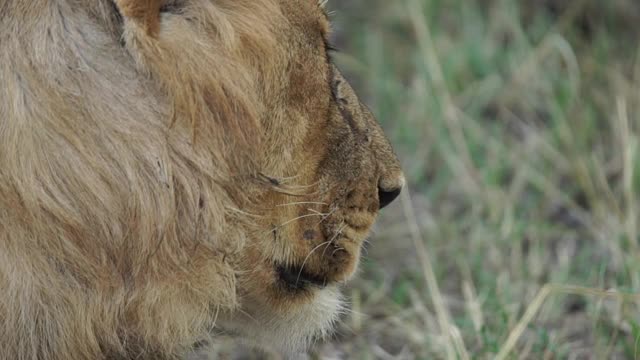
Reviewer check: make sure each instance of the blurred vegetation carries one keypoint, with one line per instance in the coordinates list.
(517, 123)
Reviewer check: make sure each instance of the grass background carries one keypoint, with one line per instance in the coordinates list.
(517, 124)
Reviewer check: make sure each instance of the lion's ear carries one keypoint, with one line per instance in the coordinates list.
(145, 13)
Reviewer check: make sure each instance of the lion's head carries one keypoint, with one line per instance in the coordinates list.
(169, 168)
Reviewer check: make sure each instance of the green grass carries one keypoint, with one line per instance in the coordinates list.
(517, 124)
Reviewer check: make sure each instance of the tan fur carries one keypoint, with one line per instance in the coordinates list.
(160, 160)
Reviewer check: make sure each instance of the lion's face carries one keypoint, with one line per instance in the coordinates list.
(328, 170)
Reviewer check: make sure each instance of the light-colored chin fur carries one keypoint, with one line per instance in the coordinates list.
(288, 332)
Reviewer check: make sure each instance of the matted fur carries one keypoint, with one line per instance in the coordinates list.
(161, 160)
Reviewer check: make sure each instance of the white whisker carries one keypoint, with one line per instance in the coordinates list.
(337, 249)
(326, 216)
(295, 219)
(335, 236)
(318, 212)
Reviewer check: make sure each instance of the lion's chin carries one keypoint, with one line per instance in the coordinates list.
(290, 331)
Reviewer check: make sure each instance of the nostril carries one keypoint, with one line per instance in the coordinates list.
(386, 197)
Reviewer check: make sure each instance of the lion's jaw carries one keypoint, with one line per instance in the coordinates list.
(287, 331)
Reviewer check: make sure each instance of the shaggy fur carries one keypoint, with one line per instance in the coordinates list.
(165, 165)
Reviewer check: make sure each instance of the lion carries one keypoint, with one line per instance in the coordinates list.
(175, 169)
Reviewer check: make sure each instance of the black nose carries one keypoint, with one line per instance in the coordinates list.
(387, 196)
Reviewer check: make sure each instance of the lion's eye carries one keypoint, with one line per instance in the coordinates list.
(172, 6)
(331, 48)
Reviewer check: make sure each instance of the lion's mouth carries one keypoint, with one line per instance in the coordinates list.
(297, 278)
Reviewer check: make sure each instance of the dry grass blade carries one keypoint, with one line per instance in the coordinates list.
(454, 344)
(628, 148)
(539, 300)
(464, 164)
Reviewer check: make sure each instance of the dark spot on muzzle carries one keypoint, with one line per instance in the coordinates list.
(309, 234)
